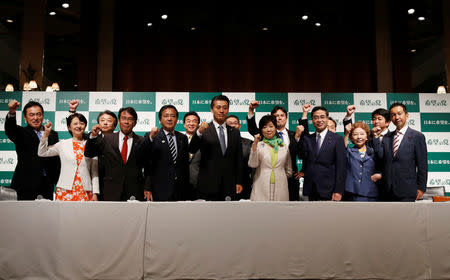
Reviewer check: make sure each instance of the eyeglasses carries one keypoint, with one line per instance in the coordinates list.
(130, 119)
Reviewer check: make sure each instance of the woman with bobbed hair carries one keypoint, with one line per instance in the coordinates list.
(362, 175)
(272, 161)
(78, 180)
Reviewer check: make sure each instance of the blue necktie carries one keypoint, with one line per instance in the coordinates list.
(318, 144)
(281, 135)
(222, 140)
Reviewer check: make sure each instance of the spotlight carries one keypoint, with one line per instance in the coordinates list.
(411, 11)
(421, 18)
(305, 17)
(149, 24)
(318, 24)
(265, 29)
(52, 13)
(413, 50)
(9, 20)
(65, 5)
(164, 17)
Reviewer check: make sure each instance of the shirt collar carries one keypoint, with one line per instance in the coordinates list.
(384, 132)
(167, 132)
(403, 130)
(216, 125)
(284, 131)
(122, 135)
(323, 133)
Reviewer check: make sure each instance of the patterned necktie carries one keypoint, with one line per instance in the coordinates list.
(222, 140)
(318, 144)
(172, 149)
(396, 142)
(281, 135)
(125, 149)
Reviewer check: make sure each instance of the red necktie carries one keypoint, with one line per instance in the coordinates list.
(125, 149)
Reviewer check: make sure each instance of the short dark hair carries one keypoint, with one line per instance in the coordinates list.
(108, 112)
(129, 110)
(331, 119)
(232, 116)
(220, 98)
(276, 108)
(265, 120)
(32, 104)
(382, 112)
(70, 118)
(165, 107)
(191, 113)
(317, 108)
(398, 104)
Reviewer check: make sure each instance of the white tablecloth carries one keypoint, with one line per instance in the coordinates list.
(224, 240)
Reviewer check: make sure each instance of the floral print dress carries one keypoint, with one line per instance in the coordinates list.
(77, 193)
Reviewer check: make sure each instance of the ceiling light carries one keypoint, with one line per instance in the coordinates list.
(55, 86)
(65, 5)
(164, 17)
(33, 84)
(192, 28)
(305, 17)
(49, 89)
(59, 69)
(52, 13)
(265, 28)
(9, 20)
(149, 24)
(411, 11)
(421, 18)
(318, 24)
(9, 87)
(413, 50)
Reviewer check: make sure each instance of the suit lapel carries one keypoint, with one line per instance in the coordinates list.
(215, 136)
(405, 139)
(115, 146)
(328, 140)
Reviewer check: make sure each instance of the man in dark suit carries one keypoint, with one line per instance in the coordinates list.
(248, 172)
(323, 154)
(33, 175)
(108, 122)
(168, 159)
(220, 176)
(380, 123)
(288, 138)
(404, 155)
(191, 121)
(123, 176)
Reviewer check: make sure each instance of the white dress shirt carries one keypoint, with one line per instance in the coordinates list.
(400, 136)
(286, 139)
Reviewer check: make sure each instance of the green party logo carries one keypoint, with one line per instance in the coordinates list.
(439, 182)
(436, 103)
(7, 161)
(269, 100)
(172, 101)
(371, 103)
(438, 162)
(64, 98)
(6, 97)
(105, 101)
(5, 181)
(437, 142)
(145, 121)
(301, 102)
(239, 102)
(42, 101)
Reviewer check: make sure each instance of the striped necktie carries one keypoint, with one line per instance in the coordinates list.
(396, 142)
(172, 148)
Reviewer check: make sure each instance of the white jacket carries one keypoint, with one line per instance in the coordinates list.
(88, 168)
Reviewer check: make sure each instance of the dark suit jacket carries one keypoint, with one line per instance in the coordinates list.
(219, 173)
(248, 172)
(399, 172)
(325, 171)
(28, 179)
(120, 181)
(168, 181)
(293, 184)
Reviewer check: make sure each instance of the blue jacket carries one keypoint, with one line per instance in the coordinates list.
(359, 171)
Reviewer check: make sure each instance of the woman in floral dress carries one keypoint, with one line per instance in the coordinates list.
(78, 180)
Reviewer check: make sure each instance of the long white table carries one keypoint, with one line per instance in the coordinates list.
(224, 240)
